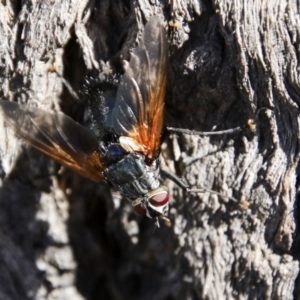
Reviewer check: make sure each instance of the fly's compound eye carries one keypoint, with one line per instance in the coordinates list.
(154, 204)
(159, 199)
(139, 210)
(157, 203)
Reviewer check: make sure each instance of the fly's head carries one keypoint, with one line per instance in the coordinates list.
(154, 204)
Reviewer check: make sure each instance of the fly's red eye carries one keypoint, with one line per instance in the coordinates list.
(139, 210)
(159, 199)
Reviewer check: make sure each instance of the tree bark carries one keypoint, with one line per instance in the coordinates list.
(231, 63)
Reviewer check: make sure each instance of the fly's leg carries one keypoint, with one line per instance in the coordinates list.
(203, 133)
(187, 188)
(250, 125)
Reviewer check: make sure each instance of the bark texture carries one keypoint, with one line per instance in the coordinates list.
(65, 237)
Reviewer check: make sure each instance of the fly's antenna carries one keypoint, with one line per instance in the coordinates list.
(187, 188)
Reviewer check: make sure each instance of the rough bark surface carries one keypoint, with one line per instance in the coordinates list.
(65, 237)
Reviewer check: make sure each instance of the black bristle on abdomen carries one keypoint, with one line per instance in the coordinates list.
(99, 95)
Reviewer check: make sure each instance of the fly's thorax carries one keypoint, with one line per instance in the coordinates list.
(154, 204)
(129, 173)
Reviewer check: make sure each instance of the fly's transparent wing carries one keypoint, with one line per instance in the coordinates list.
(57, 136)
(138, 113)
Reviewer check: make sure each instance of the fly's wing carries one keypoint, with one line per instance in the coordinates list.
(137, 116)
(57, 136)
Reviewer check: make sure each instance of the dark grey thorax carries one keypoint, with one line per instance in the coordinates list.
(129, 173)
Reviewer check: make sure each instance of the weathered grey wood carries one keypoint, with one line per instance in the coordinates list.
(64, 237)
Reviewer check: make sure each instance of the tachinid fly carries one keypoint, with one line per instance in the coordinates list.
(129, 160)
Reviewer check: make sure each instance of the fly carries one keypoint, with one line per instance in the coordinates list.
(130, 161)
(125, 149)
